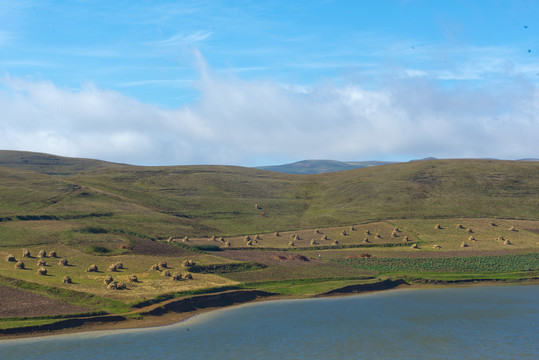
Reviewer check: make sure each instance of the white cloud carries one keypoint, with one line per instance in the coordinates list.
(253, 122)
(184, 39)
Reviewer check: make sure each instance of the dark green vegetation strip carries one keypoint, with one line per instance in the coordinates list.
(484, 264)
(225, 268)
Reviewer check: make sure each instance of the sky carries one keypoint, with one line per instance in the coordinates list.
(255, 83)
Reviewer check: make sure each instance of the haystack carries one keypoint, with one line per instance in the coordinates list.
(119, 265)
(512, 228)
(187, 263)
(336, 242)
(507, 242)
(41, 262)
(53, 254)
(166, 273)
(464, 244)
(367, 232)
(343, 233)
(212, 238)
(469, 231)
(113, 285)
(291, 243)
(42, 254)
(247, 238)
(378, 236)
(316, 231)
(188, 276)
(113, 268)
(185, 239)
(63, 262)
(437, 227)
(133, 278)
(177, 277)
(396, 230)
(221, 239)
(108, 279)
(42, 271)
(394, 234)
(414, 246)
(459, 226)
(250, 243)
(436, 247)
(154, 267)
(325, 237)
(11, 258)
(121, 286)
(67, 280)
(277, 233)
(19, 265)
(162, 265)
(257, 237)
(492, 223)
(227, 244)
(92, 268)
(313, 242)
(352, 228)
(471, 238)
(405, 239)
(366, 241)
(26, 253)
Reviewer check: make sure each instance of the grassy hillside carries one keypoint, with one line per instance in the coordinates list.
(220, 200)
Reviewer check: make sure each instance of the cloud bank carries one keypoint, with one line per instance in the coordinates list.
(238, 122)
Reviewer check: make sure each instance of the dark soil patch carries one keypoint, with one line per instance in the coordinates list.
(149, 247)
(20, 303)
(268, 257)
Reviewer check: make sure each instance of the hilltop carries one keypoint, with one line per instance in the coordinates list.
(320, 166)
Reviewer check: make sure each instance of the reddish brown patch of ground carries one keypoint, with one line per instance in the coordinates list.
(20, 303)
(267, 257)
(148, 247)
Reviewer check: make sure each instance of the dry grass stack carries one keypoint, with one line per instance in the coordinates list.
(352, 228)
(154, 267)
(53, 254)
(469, 231)
(112, 268)
(108, 279)
(512, 228)
(41, 262)
(394, 234)
(378, 236)
(325, 237)
(316, 231)
(41, 271)
(163, 265)
(336, 242)
(67, 280)
(344, 233)
(188, 263)
(188, 276)
(277, 233)
(366, 241)
(10, 258)
(166, 273)
(26, 253)
(459, 226)
(405, 239)
(250, 243)
(436, 247)
(133, 278)
(507, 242)
(367, 232)
(464, 244)
(221, 239)
(63, 262)
(291, 243)
(313, 242)
(414, 246)
(471, 238)
(185, 239)
(19, 265)
(92, 268)
(119, 265)
(492, 223)
(177, 277)
(227, 244)
(437, 227)
(42, 254)
(113, 285)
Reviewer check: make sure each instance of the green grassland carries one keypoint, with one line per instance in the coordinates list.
(93, 212)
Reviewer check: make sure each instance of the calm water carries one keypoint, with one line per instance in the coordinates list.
(490, 322)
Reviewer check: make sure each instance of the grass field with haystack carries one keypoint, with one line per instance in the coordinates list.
(84, 239)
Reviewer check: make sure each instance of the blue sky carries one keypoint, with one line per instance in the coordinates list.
(265, 82)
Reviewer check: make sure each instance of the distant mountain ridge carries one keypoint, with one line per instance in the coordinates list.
(306, 167)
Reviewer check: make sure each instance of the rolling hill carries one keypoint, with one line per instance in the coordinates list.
(320, 166)
(211, 200)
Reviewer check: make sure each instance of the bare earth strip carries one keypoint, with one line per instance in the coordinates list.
(20, 303)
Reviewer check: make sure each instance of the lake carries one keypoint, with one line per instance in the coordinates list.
(482, 322)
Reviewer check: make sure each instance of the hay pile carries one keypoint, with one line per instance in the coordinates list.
(42, 254)
(166, 273)
(41, 262)
(250, 243)
(26, 253)
(63, 262)
(414, 246)
(405, 239)
(119, 265)
(344, 233)
(336, 242)
(92, 268)
(469, 231)
(316, 231)
(325, 237)
(394, 234)
(437, 227)
(10, 258)
(162, 265)
(177, 277)
(459, 226)
(52, 254)
(113, 268)
(378, 236)
(133, 278)
(185, 239)
(67, 280)
(313, 242)
(212, 238)
(19, 265)
(366, 241)
(247, 238)
(187, 263)
(492, 223)
(42, 271)
(291, 243)
(221, 239)
(464, 244)
(188, 276)
(352, 228)
(108, 279)
(367, 232)
(507, 242)
(113, 285)
(154, 267)
(436, 247)
(471, 238)
(227, 244)
(277, 233)
(512, 228)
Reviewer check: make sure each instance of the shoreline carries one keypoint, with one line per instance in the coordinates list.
(177, 310)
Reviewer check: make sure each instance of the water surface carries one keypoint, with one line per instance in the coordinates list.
(484, 322)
